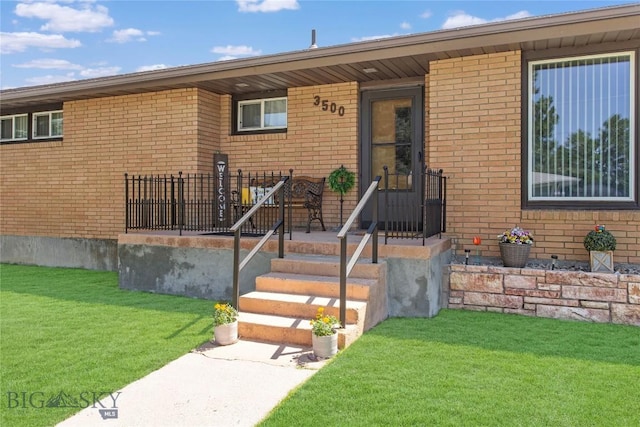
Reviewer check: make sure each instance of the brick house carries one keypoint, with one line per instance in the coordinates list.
(534, 122)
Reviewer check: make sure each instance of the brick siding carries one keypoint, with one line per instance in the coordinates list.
(473, 118)
(74, 187)
(316, 143)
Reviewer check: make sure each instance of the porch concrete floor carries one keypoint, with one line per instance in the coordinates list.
(395, 247)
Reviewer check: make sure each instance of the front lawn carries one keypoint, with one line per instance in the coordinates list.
(74, 331)
(465, 368)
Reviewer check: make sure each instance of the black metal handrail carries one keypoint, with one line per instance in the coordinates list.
(372, 232)
(237, 231)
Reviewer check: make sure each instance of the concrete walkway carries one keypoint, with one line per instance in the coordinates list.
(236, 385)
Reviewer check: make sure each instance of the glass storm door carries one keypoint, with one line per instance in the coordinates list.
(392, 136)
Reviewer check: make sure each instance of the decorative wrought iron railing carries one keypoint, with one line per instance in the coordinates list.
(407, 216)
(204, 203)
(212, 203)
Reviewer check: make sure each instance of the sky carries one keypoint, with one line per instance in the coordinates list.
(52, 41)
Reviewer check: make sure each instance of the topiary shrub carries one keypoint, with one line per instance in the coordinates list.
(599, 240)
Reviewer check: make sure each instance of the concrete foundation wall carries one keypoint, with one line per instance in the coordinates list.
(195, 272)
(203, 267)
(415, 285)
(91, 254)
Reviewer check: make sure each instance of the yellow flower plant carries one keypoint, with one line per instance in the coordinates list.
(324, 325)
(224, 314)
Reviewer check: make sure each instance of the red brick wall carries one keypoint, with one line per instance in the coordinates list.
(597, 297)
(473, 132)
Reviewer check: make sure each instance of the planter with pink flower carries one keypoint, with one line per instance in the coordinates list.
(515, 245)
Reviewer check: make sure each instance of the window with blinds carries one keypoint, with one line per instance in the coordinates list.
(581, 122)
(262, 114)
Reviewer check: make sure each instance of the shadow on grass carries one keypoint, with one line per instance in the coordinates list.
(92, 287)
(618, 344)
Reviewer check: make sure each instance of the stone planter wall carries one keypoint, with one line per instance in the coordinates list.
(595, 297)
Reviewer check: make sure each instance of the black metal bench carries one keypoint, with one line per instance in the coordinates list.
(304, 192)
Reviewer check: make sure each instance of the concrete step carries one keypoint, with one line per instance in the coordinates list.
(325, 265)
(290, 330)
(302, 306)
(305, 284)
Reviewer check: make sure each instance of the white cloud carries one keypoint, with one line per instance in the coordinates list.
(266, 5)
(519, 15)
(90, 73)
(19, 42)
(130, 34)
(368, 38)
(236, 51)
(461, 19)
(50, 79)
(151, 67)
(426, 14)
(227, 58)
(49, 64)
(88, 18)
(86, 73)
(405, 26)
(124, 36)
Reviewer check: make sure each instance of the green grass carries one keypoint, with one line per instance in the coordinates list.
(75, 331)
(466, 368)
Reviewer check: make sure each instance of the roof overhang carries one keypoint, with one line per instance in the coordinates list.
(403, 57)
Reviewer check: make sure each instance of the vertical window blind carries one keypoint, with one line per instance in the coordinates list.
(581, 122)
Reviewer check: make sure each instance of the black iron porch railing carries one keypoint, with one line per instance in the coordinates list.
(204, 203)
(212, 203)
(409, 217)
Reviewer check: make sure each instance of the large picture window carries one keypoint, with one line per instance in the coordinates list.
(581, 123)
(262, 114)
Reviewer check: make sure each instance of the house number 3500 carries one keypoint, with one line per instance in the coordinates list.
(328, 106)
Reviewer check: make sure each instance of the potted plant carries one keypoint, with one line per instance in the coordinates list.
(225, 324)
(324, 334)
(600, 243)
(341, 180)
(515, 245)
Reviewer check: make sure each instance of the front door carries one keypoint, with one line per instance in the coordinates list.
(392, 134)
